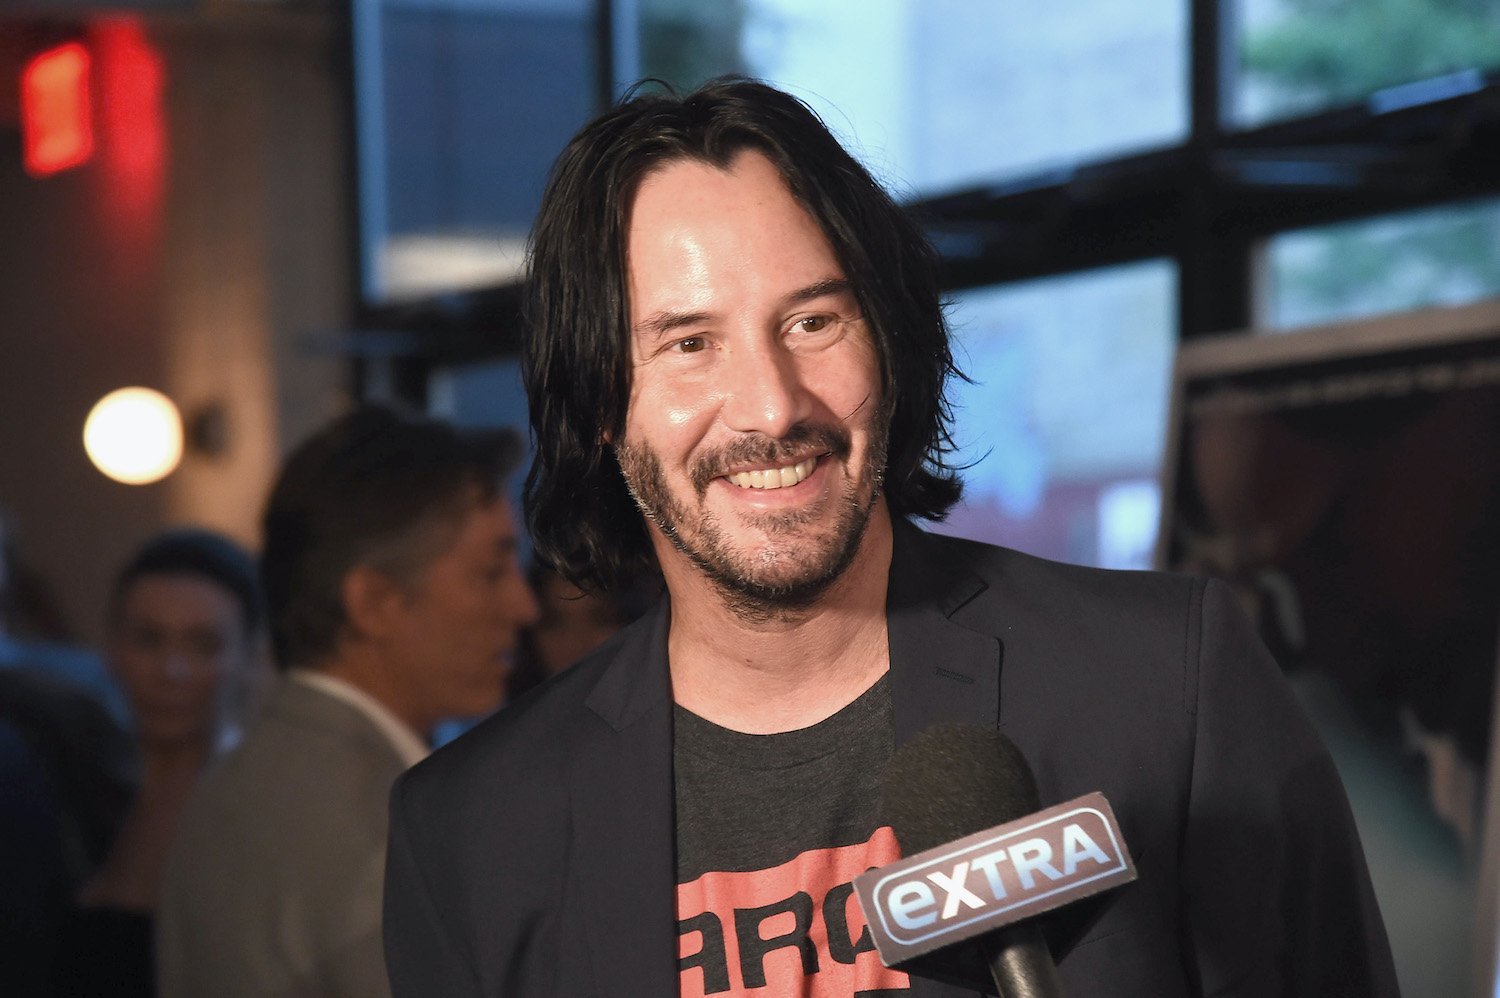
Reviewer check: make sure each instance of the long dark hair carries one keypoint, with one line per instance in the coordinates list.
(576, 360)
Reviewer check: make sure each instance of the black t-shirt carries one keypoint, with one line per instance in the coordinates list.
(771, 830)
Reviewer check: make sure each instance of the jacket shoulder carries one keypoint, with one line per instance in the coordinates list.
(519, 757)
(1052, 591)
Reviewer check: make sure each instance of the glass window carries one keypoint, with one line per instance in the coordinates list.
(482, 395)
(451, 160)
(1437, 256)
(1299, 57)
(940, 94)
(1064, 424)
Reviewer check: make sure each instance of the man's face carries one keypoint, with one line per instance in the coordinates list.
(457, 621)
(755, 436)
(175, 641)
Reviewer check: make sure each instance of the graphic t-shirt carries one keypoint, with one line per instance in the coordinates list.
(771, 830)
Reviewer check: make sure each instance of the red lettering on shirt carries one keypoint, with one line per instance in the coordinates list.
(794, 930)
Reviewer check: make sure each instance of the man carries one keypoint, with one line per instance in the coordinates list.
(394, 597)
(737, 367)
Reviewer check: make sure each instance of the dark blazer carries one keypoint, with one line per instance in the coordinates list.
(534, 856)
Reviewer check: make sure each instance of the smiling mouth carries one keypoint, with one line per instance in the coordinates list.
(774, 478)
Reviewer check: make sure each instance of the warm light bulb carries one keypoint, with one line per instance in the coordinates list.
(134, 435)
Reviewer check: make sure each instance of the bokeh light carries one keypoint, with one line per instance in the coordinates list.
(134, 435)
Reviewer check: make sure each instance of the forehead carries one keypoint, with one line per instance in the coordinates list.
(177, 599)
(699, 232)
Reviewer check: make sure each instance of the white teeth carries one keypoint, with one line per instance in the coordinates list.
(774, 478)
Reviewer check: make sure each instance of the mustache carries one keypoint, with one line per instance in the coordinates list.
(768, 451)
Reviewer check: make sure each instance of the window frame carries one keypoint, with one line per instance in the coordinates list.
(1207, 204)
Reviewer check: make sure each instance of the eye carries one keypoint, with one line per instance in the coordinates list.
(689, 344)
(146, 639)
(816, 331)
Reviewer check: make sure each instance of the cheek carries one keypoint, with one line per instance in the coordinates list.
(473, 616)
(133, 669)
(852, 391)
(215, 670)
(863, 379)
(659, 412)
(683, 416)
(207, 677)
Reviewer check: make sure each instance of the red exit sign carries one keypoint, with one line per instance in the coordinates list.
(57, 131)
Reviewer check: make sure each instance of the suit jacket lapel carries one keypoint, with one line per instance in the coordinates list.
(625, 871)
(940, 671)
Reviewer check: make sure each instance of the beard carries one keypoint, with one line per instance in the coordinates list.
(793, 570)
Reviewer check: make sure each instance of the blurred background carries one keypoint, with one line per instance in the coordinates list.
(265, 210)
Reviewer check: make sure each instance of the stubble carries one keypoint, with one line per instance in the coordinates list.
(790, 574)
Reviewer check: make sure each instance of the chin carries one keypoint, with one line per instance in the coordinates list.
(481, 704)
(789, 569)
(784, 580)
(174, 736)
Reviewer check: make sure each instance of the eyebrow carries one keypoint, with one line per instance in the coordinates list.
(660, 323)
(663, 322)
(821, 289)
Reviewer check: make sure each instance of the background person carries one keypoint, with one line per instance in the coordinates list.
(394, 597)
(182, 638)
(572, 623)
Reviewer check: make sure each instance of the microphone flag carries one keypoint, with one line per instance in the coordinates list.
(993, 878)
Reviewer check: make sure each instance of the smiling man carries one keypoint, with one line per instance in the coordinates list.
(736, 373)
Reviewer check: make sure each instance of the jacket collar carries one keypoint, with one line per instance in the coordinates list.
(625, 872)
(621, 782)
(940, 670)
(637, 681)
(311, 707)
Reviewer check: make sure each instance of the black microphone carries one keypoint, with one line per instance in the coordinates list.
(981, 859)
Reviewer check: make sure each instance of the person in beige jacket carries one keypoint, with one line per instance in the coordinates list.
(395, 597)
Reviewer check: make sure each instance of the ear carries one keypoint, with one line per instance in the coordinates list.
(371, 601)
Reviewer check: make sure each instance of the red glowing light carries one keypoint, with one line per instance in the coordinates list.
(131, 79)
(57, 131)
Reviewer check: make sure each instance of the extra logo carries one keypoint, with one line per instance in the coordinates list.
(993, 878)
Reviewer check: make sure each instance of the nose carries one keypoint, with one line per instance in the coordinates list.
(176, 668)
(764, 391)
(520, 602)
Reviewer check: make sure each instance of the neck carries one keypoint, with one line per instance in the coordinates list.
(773, 672)
(361, 666)
(131, 873)
(172, 764)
